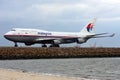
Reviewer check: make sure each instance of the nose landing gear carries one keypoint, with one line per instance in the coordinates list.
(15, 44)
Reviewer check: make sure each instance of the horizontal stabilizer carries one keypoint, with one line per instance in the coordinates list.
(97, 36)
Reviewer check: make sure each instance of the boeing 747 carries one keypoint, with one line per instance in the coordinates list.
(33, 36)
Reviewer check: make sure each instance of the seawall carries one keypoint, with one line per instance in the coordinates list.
(43, 53)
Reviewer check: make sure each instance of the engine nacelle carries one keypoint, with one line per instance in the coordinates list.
(81, 40)
(57, 41)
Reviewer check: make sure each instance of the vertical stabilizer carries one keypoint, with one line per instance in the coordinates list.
(89, 27)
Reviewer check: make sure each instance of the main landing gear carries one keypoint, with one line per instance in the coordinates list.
(43, 45)
(54, 45)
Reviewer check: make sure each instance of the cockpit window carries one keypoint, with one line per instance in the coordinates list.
(13, 30)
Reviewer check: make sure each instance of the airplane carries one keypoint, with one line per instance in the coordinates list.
(33, 36)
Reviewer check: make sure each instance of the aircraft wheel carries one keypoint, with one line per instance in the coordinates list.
(15, 45)
(44, 45)
(54, 45)
(51, 45)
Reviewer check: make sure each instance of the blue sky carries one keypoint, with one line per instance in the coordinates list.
(61, 15)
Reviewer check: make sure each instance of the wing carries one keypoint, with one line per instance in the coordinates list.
(56, 40)
(71, 39)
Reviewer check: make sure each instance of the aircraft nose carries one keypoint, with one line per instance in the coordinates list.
(6, 35)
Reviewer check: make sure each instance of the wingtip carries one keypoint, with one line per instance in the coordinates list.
(112, 35)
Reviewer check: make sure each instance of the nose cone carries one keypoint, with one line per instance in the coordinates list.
(6, 35)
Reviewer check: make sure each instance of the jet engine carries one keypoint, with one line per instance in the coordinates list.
(57, 41)
(81, 40)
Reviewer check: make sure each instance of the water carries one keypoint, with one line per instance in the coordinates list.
(95, 68)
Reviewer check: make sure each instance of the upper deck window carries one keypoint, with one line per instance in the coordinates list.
(13, 30)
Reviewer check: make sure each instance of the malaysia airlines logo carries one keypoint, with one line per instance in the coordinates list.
(89, 27)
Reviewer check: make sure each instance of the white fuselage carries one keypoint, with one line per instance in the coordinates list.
(36, 35)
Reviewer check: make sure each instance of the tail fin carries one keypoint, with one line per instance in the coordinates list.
(89, 27)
